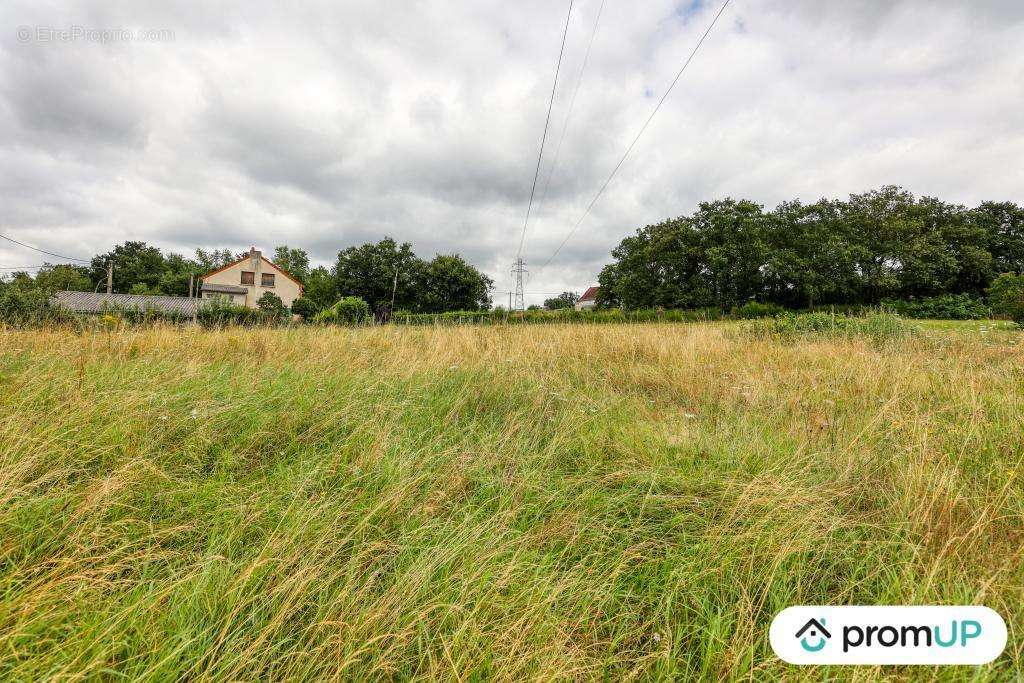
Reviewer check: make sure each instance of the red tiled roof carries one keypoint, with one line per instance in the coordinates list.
(590, 294)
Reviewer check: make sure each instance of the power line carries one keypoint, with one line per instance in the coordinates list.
(43, 251)
(638, 135)
(572, 106)
(544, 136)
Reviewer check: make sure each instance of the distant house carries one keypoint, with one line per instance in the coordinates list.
(589, 299)
(244, 281)
(90, 302)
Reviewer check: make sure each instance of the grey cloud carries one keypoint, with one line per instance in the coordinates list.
(331, 124)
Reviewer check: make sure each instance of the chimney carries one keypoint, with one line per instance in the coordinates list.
(254, 255)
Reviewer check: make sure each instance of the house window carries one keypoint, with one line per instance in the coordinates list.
(248, 277)
(267, 279)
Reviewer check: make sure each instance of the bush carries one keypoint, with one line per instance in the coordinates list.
(946, 307)
(351, 310)
(304, 308)
(878, 326)
(24, 305)
(219, 313)
(134, 315)
(272, 307)
(566, 315)
(754, 309)
(1006, 297)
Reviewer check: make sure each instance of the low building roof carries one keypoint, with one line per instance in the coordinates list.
(90, 302)
(590, 294)
(223, 289)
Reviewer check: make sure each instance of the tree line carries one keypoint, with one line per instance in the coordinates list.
(383, 274)
(885, 244)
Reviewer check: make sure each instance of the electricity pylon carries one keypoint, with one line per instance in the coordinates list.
(517, 272)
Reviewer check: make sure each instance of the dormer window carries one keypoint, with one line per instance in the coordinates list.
(248, 277)
(267, 279)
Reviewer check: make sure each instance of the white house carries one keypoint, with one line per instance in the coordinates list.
(249, 278)
(589, 299)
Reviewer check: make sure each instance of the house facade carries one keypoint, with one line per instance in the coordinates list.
(589, 299)
(247, 279)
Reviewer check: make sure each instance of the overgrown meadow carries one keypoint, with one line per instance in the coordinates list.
(508, 502)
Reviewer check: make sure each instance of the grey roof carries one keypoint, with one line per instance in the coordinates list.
(224, 289)
(89, 302)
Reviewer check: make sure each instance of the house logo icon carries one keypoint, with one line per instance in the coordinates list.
(815, 631)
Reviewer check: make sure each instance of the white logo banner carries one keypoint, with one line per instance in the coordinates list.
(929, 635)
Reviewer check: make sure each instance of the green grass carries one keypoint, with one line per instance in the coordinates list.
(618, 501)
(966, 325)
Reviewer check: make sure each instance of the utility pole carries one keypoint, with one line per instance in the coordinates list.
(110, 276)
(394, 288)
(517, 271)
(190, 276)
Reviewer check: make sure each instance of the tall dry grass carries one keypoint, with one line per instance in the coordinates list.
(510, 503)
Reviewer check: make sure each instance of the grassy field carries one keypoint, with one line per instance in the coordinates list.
(567, 502)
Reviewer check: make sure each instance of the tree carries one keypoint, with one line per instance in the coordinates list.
(563, 300)
(321, 288)
(271, 305)
(63, 277)
(134, 262)
(449, 283)
(659, 266)
(809, 257)
(733, 250)
(716, 257)
(295, 261)
(369, 272)
(1002, 223)
(304, 308)
(177, 273)
(212, 260)
(1006, 296)
(878, 245)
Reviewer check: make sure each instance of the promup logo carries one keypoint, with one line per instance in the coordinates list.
(817, 630)
(888, 635)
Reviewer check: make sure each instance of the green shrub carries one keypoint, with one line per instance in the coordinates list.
(1006, 297)
(877, 326)
(272, 307)
(946, 307)
(134, 315)
(23, 305)
(304, 308)
(351, 310)
(565, 315)
(219, 313)
(754, 309)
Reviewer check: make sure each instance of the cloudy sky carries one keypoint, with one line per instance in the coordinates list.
(323, 125)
